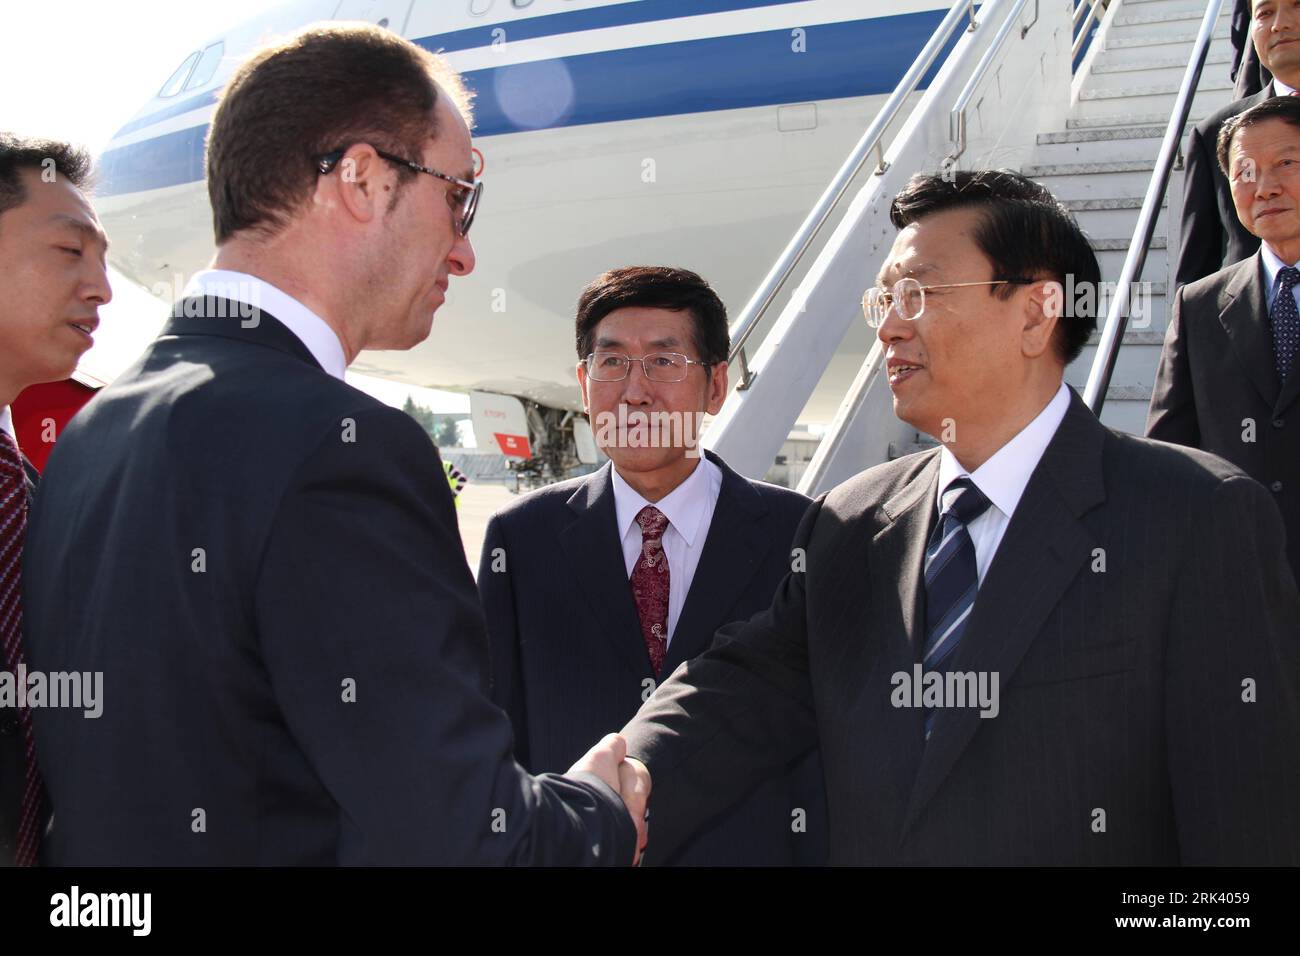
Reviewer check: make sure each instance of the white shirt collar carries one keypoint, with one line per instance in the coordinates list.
(1004, 476)
(1272, 266)
(684, 506)
(1280, 88)
(7, 423)
(313, 331)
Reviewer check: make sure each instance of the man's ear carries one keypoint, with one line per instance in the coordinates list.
(359, 183)
(582, 385)
(717, 388)
(1044, 307)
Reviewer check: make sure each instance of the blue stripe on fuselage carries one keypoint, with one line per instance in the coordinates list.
(858, 58)
(596, 18)
(530, 28)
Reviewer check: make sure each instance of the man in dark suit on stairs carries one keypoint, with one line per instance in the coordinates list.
(1212, 236)
(1227, 381)
(1044, 642)
(596, 589)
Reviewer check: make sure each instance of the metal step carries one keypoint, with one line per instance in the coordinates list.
(1141, 18)
(1144, 106)
(1095, 149)
(1094, 180)
(1140, 76)
(1089, 169)
(1103, 65)
(1151, 89)
(1131, 337)
(1120, 120)
(1111, 254)
(1105, 134)
(1162, 39)
(1135, 369)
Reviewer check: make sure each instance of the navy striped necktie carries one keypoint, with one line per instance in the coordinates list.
(951, 577)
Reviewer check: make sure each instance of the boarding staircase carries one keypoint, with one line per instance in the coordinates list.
(1084, 96)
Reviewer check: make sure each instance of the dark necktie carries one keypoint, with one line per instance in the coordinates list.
(951, 577)
(1285, 321)
(13, 530)
(650, 584)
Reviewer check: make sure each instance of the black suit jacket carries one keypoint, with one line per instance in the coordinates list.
(570, 663)
(264, 563)
(1212, 235)
(1249, 74)
(1217, 387)
(13, 757)
(1136, 587)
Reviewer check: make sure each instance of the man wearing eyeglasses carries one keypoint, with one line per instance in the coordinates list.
(1041, 643)
(262, 561)
(598, 588)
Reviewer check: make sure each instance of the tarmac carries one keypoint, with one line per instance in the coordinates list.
(478, 502)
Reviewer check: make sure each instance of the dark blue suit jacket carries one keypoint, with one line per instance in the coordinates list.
(570, 665)
(264, 564)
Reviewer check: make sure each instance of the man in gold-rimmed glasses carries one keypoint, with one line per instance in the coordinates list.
(1026, 646)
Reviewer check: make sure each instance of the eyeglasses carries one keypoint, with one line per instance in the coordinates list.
(463, 200)
(657, 366)
(907, 298)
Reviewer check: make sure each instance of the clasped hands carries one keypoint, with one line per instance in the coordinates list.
(609, 761)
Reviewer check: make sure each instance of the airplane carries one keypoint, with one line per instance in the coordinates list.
(694, 133)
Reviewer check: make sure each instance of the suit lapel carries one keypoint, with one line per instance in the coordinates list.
(1244, 317)
(735, 547)
(595, 555)
(885, 637)
(1043, 550)
(898, 549)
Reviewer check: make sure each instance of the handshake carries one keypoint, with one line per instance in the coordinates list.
(609, 761)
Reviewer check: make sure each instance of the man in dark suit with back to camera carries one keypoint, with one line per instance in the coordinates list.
(1044, 642)
(1227, 381)
(597, 588)
(263, 561)
(54, 277)
(1212, 236)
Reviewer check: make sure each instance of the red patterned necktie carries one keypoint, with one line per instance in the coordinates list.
(13, 530)
(650, 584)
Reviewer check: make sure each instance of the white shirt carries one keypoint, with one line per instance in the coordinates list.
(1280, 88)
(1003, 477)
(689, 510)
(1272, 266)
(7, 423)
(310, 328)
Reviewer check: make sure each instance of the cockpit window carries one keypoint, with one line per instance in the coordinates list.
(207, 67)
(177, 81)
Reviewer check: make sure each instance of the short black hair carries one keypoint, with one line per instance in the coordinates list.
(656, 287)
(18, 153)
(1284, 108)
(1024, 231)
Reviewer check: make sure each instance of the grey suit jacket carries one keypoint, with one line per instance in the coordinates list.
(1217, 387)
(1141, 623)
